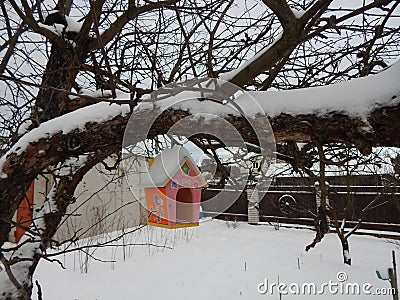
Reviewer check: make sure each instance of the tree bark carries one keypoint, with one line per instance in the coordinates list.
(345, 249)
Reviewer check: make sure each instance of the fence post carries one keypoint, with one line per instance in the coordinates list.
(319, 204)
(253, 215)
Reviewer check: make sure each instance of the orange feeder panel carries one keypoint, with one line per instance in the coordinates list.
(157, 206)
(24, 212)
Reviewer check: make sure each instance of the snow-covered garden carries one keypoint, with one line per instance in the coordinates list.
(218, 260)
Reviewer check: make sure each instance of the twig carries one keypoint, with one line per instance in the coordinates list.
(39, 293)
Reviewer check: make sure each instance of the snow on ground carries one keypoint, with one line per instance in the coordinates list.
(215, 262)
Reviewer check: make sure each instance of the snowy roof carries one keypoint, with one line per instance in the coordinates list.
(167, 163)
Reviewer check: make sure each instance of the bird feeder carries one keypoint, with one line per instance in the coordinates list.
(173, 190)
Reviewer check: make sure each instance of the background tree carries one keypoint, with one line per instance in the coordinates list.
(322, 163)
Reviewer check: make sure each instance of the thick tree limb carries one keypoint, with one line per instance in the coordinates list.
(384, 124)
(282, 10)
(294, 33)
(28, 19)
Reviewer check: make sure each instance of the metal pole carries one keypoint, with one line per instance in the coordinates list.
(393, 279)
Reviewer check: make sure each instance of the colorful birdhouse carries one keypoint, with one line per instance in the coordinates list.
(173, 190)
